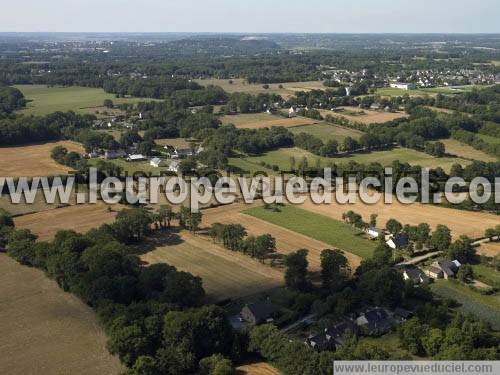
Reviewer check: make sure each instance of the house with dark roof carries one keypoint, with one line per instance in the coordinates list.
(374, 322)
(402, 315)
(434, 272)
(259, 312)
(415, 274)
(448, 267)
(333, 337)
(398, 241)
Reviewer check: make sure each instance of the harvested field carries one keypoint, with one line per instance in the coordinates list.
(79, 218)
(175, 142)
(34, 160)
(490, 249)
(460, 222)
(264, 120)
(287, 240)
(260, 368)
(364, 116)
(462, 150)
(45, 330)
(225, 274)
(241, 85)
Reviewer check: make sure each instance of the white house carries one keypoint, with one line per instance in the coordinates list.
(157, 162)
(398, 241)
(348, 91)
(403, 86)
(375, 232)
(292, 112)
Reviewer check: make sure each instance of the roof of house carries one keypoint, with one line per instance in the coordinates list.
(156, 160)
(136, 157)
(434, 270)
(339, 331)
(449, 267)
(377, 320)
(400, 239)
(414, 273)
(376, 230)
(262, 310)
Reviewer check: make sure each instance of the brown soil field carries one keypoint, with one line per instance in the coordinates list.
(460, 222)
(369, 116)
(34, 160)
(490, 249)
(225, 274)
(45, 330)
(287, 241)
(261, 368)
(80, 218)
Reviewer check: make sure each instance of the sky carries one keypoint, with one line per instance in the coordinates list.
(309, 16)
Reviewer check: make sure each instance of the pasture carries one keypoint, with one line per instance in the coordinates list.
(364, 116)
(462, 150)
(260, 368)
(264, 120)
(281, 157)
(34, 160)
(487, 275)
(46, 330)
(287, 240)
(484, 307)
(44, 100)
(225, 274)
(80, 218)
(489, 249)
(326, 132)
(322, 228)
(241, 85)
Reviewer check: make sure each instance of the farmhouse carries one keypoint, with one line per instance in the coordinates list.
(332, 337)
(448, 268)
(398, 241)
(174, 166)
(292, 112)
(259, 312)
(434, 272)
(138, 157)
(374, 322)
(403, 86)
(415, 274)
(157, 162)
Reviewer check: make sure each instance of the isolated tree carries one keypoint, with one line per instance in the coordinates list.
(373, 220)
(296, 270)
(394, 226)
(264, 246)
(165, 216)
(108, 103)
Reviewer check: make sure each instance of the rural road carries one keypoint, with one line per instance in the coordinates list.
(294, 325)
(421, 258)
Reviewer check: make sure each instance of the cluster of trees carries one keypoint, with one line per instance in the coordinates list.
(436, 149)
(157, 87)
(152, 315)
(234, 237)
(475, 140)
(72, 159)
(246, 103)
(11, 99)
(462, 338)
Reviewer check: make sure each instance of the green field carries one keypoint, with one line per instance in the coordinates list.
(326, 131)
(45, 100)
(390, 91)
(248, 167)
(282, 156)
(487, 275)
(489, 139)
(133, 167)
(483, 306)
(319, 227)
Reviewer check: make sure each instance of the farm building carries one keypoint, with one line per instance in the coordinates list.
(114, 154)
(374, 322)
(259, 312)
(403, 86)
(137, 157)
(375, 232)
(445, 269)
(415, 274)
(174, 166)
(292, 112)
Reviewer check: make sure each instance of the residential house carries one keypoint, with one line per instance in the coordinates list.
(375, 232)
(415, 274)
(434, 272)
(448, 267)
(114, 154)
(348, 91)
(292, 112)
(398, 241)
(333, 337)
(403, 86)
(259, 312)
(157, 162)
(374, 322)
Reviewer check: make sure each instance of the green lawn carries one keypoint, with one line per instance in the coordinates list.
(45, 100)
(133, 167)
(319, 227)
(390, 91)
(487, 275)
(483, 306)
(282, 156)
(249, 167)
(326, 131)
